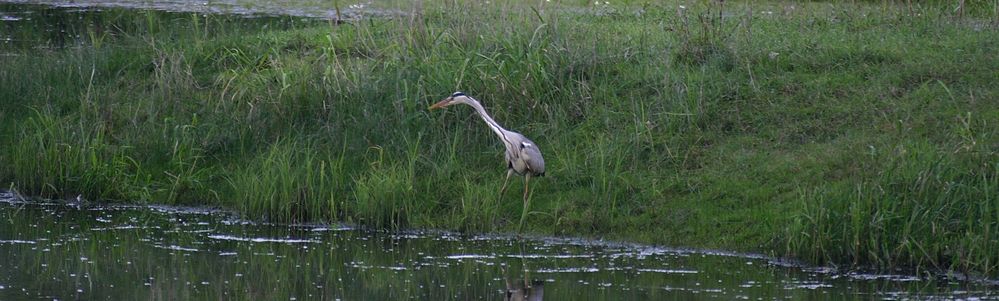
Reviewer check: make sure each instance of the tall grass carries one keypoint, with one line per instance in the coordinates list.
(290, 181)
(60, 159)
(927, 210)
(778, 130)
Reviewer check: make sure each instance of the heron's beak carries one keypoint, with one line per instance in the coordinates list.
(442, 103)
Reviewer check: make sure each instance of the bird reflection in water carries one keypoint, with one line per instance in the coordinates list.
(523, 289)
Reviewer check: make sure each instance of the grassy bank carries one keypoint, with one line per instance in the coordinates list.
(834, 133)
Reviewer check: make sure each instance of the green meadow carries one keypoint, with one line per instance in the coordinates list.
(854, 134)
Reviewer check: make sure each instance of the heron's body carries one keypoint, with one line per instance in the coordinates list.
(523, 157)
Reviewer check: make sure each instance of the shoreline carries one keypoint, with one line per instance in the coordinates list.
(860, 273)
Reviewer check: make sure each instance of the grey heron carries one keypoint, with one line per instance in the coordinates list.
(523, 156)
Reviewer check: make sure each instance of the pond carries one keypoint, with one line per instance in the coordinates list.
(301, 8)
(62, 250)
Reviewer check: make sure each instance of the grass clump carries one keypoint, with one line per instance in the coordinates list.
(77, 157)
(384, 198)
(932, 209)
(291, 181)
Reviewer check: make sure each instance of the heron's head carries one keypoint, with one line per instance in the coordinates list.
(455, 98)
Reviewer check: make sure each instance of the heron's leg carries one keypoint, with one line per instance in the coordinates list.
(509, 288)
(527, 203)
(509, 172)
(527, 279)
(527, 177)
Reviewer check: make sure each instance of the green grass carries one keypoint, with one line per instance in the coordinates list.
(927, 208)
(834, 133)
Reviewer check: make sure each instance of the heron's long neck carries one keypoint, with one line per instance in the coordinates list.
(499, 130)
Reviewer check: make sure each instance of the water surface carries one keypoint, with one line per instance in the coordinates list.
(63, 250)
(353, 9)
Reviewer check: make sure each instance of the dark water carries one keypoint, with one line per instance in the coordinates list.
(34, 27)
(62, 251)
(341, 9)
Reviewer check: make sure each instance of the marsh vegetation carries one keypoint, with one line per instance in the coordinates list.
(846, 133)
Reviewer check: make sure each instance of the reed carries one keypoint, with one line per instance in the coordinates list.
(929, 209)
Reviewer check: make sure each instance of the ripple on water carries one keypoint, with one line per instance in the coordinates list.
(8, 197)
(325, 229)
(900, 278)
(126, 227)
(177, 248)
(568, 270)
(548, 256)
(812, 285)
(262, 239)
(470, 256)
(15, 241)
(668, 271)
